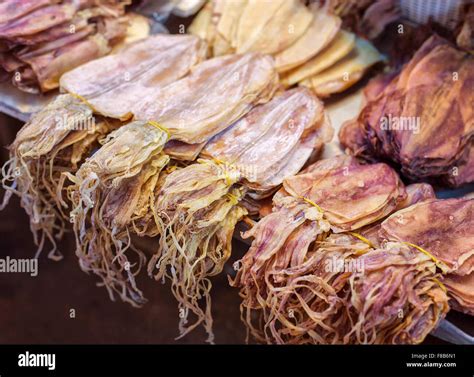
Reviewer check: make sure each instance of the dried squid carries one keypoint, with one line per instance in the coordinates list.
(445, 229)
(187, 112)
(314, 275)
(306, 279)
(345, 72)
(307, 43)
(116, 84)
(43, 39)
(58, 138)
(461, 291)
(44, 148)
(198, 206)
(422, 120)
(347, 293)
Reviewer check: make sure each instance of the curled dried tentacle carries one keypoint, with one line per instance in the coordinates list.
(310, 277)
(105, 193)
(198, 209)
(42, 150)
(393, 296)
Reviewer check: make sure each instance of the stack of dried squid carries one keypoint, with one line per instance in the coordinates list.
(323, 268)
(42, 39)
(177, 121)
(61, 136)
(307, 43)
(198, 206)
(422, 120)
(120, 179)
(154, 141)
(445, 228)
(193, 209)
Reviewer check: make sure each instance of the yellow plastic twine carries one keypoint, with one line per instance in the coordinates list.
(312, 203)
(438, 263)
(171, 169)
(228, 179)
(441, 285)
(362, 238)
(83, 99)
(233, 198)
(219, 161)
(160, 127)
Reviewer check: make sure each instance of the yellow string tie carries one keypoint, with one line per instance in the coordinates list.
(82, 99)
(438, 263)
(160, 127)
(218, 162)
(441, 285)
(228, 180)
(212, 159)
(233, 198)
(362, 238)
(312, 203)
(171, 169)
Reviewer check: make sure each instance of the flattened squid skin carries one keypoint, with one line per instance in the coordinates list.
(423, 119)
(61, 136)
(321, 272)
(444, 227)
(198, 206)
(461, 291)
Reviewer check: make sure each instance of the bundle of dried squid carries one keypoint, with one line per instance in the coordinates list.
(59, 138)
(347, 293)
(307, 43)
(41, 40)
(179, 119)
(115, 85)
(310, 278)
(198, 206)
(461, 292)
(55, 140)
(421, 120)
(445, 228)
